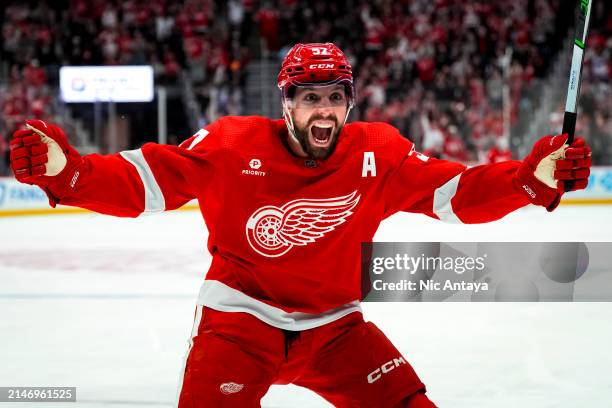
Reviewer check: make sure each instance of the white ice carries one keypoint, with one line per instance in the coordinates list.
(106, 305)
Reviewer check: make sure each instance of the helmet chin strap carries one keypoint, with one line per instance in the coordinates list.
(289, 122)
(291, 126)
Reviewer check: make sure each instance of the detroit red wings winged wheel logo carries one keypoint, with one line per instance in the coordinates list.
(273, 231)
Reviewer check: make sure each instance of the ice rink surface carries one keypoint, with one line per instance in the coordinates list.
(106, 305)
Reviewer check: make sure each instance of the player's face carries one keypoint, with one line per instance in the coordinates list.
(318, 116)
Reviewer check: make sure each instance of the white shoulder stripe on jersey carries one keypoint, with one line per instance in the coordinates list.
(218, 296)
(201, 134)
(154, 199)
(443, 195)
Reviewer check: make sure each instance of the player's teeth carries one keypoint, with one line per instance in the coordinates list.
(323, 125)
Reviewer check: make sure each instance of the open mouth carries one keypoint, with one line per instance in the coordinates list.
(321, 131)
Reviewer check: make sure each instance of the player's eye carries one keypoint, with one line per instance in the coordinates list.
(337, 97)
(311, 97)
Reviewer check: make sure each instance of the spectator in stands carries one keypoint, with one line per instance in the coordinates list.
(452, 53)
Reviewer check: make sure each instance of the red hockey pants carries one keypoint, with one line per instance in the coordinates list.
(235, 357)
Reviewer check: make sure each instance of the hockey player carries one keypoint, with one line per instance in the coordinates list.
(287, 204)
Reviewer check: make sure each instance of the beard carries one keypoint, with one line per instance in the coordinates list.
(317, 152)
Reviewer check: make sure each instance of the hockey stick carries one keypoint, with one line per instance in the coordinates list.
(573, 87)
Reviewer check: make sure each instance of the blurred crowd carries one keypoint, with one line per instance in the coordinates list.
(175, 37)
(455, 77)
(595, 115)
(458, 77)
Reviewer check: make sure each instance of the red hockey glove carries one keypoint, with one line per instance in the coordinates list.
(550, 165)
(574, 169)
(41, 155)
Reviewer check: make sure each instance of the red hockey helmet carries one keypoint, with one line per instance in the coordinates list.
(316, 64)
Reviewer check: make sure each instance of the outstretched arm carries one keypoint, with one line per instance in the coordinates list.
(454, 193)
(127, 184)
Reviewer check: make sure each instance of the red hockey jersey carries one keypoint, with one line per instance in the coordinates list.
(285, 232)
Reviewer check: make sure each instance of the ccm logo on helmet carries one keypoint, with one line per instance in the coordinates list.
(321, 66)
(384, 369)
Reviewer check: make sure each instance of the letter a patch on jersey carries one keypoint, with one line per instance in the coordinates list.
(273, 231)
(369, 165)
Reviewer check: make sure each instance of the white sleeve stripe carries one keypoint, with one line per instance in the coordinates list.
(200, 136)
(443, 195)
(154, 199)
